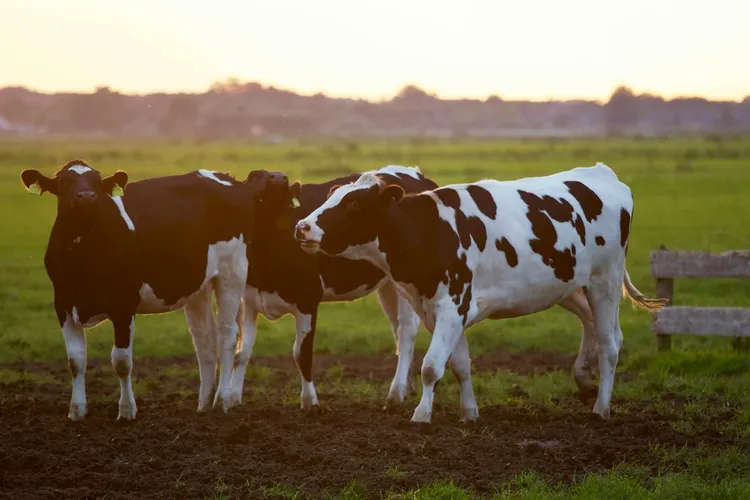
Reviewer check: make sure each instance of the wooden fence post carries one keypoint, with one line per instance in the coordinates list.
(664, 290)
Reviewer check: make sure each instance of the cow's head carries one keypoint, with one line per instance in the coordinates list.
(273, 197)
(270, 188)
(348, 218)
(78, 187)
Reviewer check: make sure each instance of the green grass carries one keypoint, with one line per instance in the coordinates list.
(718, 476)
(689, 194)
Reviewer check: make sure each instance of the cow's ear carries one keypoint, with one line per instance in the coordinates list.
(333, 188)
(391, 194)
(295, 191)
(114, 185)
(37, 183)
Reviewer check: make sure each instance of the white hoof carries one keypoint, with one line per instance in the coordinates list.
(421, 416)
(127, 412)
(221, 403)
(77, 412)
(469, 414)
(235, 399)
(602, 412)
(396, 395)
(306, 403)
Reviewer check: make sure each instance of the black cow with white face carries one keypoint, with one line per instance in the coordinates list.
(284, 279)
(160, 245)
(464, 253)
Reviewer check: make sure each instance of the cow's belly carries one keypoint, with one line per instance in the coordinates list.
(151, 304)
(512, 302)
(269, 304)
(330, 295)
(224, 258)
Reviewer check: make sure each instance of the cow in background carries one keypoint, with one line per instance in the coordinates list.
(284, 279)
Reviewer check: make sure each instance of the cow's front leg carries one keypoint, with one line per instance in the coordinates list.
(75, 345)
(448, 330)
(122, 362)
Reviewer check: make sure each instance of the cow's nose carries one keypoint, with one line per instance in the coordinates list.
(300, 229)
(85, 197)
(278, 177)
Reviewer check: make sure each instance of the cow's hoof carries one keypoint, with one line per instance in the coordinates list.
(77, 413)
(469, 415)
(221, 403)
(602, 412)
(421, 416)
(127, 412)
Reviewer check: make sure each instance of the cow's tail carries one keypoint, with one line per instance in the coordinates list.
(638, 299)
(240, 325)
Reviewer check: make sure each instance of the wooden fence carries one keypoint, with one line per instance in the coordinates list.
(667, 265)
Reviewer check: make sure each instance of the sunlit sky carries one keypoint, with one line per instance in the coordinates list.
(534, 49)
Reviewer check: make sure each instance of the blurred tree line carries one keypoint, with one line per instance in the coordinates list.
(235, 109)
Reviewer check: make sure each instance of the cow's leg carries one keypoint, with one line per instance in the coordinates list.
(461, 365)
(229, 291)
(202, 326)
(405, 324)
(303, 356)
(448, 330)
(604, 293)
(75, 345)
(122, 362)
(578, 304)
(243, 354)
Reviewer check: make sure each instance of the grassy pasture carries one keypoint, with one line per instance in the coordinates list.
(689, 194)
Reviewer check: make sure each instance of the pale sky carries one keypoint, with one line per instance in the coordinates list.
(469, 48)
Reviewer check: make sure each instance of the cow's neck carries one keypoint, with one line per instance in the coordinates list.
(94, 237)
(399, 237)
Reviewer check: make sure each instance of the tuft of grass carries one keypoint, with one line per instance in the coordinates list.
(9, 376)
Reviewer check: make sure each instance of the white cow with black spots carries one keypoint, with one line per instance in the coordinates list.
(467, 252)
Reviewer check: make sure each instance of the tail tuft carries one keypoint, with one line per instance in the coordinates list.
(638, 299)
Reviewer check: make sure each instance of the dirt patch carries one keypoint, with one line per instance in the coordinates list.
(171, 450)
(375, 367)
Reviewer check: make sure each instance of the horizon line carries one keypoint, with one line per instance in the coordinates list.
(372, 98)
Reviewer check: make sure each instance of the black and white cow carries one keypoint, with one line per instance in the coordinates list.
(166, 243)
(283, 279)
(467, 252)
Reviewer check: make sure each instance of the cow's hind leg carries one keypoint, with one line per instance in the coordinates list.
(122, 362)
(405, 324)
(604, 293)
(75, 345)
(243, 354)
(303, 357)
(460, 363)
(202, 326)
(578, 304)
(230, 289)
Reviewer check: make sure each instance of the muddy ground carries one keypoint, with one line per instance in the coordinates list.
(171, 451)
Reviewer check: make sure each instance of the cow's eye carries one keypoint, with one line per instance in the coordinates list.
(354, 205)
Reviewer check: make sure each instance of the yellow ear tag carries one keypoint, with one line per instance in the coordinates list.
(295, 202)
(117, 191)
(35, 189)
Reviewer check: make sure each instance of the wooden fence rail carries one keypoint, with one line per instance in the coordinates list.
(667, 265)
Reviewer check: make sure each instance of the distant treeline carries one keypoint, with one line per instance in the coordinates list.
(233, 109)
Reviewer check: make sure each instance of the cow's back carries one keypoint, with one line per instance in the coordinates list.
(546, 233)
